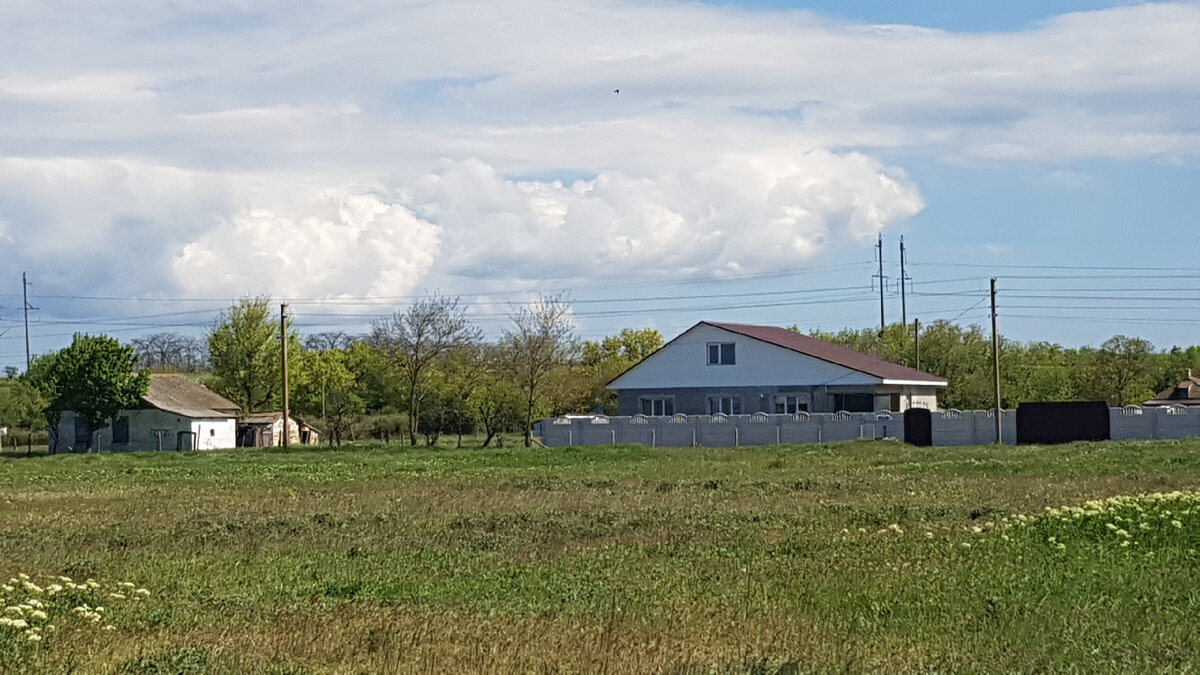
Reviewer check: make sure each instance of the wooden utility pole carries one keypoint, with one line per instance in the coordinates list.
(996, 365)
(25, 297)
(879, 249)
(917, 343)
(903, 278)
(283, 340)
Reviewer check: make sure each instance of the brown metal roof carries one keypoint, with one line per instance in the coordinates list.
(1187, 392)
(183, 396)
(827, 351)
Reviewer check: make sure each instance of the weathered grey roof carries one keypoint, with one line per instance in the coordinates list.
(833, 353)
(271, 417)
(262, 417)
(183, 396)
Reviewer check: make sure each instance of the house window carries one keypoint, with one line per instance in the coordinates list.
(720, 354)
(854, 402)
(658, 406)
(790, 404)
(729, 405)
(121, 430)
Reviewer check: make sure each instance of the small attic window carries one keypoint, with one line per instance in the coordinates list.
(721, 354)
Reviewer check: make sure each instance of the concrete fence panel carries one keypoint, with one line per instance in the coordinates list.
(947, 427)
(717, 432)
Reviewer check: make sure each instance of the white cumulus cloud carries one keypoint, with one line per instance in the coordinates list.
(738, 212)
(334, 243)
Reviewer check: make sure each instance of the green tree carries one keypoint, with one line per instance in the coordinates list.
(583, 387)
(40, 377)
(95, 378)
(541, 338)
(374, 375)
(327, 390)
(25, 408)
(417, 339)
(497, 404)
(1120, 372)
(244, 350)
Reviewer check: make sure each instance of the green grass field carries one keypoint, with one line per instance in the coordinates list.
(856, 557)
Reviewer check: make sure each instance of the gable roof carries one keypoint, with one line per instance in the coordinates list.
(180, 395)
(845, 357)
(1186, 392)
(830, 352)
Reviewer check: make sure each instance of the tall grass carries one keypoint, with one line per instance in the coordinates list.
(860, 556)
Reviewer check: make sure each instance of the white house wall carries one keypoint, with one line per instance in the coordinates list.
(147, 426)
(215, 434)
(684, 363)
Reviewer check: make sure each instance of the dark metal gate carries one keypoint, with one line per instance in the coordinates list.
(918, 426)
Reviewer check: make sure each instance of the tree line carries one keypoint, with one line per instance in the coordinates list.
(1121, 371)
(420, 373)
(426, 371)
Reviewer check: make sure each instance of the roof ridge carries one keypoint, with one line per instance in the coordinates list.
(827, 351)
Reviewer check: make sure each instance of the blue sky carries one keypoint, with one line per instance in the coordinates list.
(346, 157)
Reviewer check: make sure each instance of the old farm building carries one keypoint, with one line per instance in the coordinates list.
(175, 414)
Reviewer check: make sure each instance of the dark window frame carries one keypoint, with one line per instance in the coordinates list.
(657, 406)
(727, 404)
(722, 354)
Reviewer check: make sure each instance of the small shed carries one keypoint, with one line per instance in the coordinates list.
(265, 429)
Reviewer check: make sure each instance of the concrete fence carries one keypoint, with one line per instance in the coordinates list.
(1133, 422)
(948, 427)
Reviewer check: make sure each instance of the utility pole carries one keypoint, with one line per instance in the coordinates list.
(903, 279)
(879, 253)
(996, 365)
(283, 340)
(25, 296)
(917, 342)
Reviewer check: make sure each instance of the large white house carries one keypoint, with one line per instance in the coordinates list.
(738, 369)
(175, 414)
